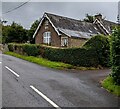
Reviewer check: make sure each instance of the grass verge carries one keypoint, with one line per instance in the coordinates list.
(41, 61)
(109, 85)
(47, 63)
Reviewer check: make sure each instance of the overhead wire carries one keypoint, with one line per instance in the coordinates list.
(16, 7)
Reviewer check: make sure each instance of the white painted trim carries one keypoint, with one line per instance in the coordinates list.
(38, 26)
(63, 38)
(45, 16)
(64, 33)
(52, 24)
(101, 26)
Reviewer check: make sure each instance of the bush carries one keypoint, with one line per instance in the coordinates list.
(30, 49)
(25, 49)
(100, 44)
(75, 56)
(11, 47)
(115, 55)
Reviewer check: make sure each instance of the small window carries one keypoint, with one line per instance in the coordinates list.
(47, 37)
(64, 41)
(46, 27)
(46, 23)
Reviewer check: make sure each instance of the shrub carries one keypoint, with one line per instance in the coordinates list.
(115, 55)
(11, 47)
(30, 49)
(100, 44)
(25, 49)
(75, 56)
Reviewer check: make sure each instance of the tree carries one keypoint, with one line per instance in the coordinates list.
(32, 31)
(14, 33)
(89, 18)
(115, 55)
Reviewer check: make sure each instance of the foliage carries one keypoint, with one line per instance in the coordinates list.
(26, 49)
(89, 18)
(75, 56)
(30, 50)
(100, 44)
(32, 31)
(14, 33)
(115, 55)
(110, 85)
(42, 61)
(11, 47)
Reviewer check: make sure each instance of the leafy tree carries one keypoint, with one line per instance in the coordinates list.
(89, 18)
(32, 31)
(115, 55)
(14, 33)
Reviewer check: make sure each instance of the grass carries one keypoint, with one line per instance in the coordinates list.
(47, 63)
(41, 61)
(109, 84)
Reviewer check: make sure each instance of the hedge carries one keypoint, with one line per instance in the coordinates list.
(115, 55)
(74, 56)
(24, 49)
(101, 45)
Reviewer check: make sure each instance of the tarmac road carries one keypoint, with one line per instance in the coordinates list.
(25, 84)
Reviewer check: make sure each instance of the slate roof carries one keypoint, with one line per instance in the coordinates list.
(73, 27)
(76, 28)
(108, 25)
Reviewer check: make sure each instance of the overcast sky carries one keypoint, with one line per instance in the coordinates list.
(32, 11)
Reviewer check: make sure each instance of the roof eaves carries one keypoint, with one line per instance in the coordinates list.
(52, 24)
(64, 32)
(101, 26)
(45, 15)
(38, 26)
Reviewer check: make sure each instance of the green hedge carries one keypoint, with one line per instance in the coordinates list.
(115, 55)
(100, 44)
(25, 49)
(75, 56)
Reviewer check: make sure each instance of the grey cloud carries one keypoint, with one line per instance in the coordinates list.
(27, 14)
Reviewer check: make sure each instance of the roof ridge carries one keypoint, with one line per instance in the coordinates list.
(63, 16)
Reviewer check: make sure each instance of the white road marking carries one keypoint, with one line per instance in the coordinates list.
(0, 62)
(45, 97)
(12, 71)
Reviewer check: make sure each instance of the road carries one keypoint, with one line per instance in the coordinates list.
(25, 84)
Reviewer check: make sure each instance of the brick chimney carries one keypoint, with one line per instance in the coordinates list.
(98, 16)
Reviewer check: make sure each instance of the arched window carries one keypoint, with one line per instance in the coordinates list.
(47, 37)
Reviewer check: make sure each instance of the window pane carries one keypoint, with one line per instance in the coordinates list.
(64, 42)
(47, 37)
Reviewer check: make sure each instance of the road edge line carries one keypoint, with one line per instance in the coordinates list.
(45, 97)
(12, 71)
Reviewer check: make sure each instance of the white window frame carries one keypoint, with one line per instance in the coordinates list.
(47, 37)
(63, 42)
